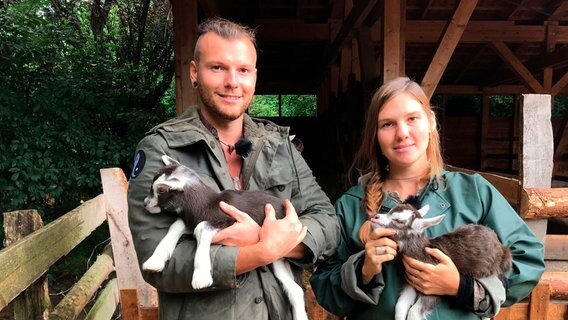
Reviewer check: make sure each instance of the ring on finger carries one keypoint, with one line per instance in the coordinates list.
(380, 250)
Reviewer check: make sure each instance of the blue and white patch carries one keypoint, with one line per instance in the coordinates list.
(139, 161)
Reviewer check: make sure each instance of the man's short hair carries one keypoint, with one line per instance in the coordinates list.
(224, 28)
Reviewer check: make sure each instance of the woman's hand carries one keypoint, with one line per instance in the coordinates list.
(379, 249)
(440, 279)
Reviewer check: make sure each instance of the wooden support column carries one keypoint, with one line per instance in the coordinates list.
(537, 150)
(34, 302)
(452, 36)
(185, 36)
(393, 39)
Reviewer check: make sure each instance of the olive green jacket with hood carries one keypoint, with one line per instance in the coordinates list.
(274, 166)
(463, 199)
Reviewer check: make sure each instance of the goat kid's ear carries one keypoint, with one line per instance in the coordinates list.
(171, 185)
(169, 160)
(424, 210)
(422, 224)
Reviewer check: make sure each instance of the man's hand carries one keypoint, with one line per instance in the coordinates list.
(244, 232)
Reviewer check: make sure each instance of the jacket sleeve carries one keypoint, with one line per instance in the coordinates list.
(149, 229)
(334, 281)
(315, 212)
(526, 249)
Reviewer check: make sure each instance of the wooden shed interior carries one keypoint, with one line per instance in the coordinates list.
(462, 53)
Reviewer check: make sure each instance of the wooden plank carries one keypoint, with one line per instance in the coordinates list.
(557, 283)
(34, 302)
(508, 187)
(393, 40)
(185, 37)
(520, 311)
(106, 303)
(447, 45)
(75, 301)
(126, 263)
(149, 313)
(366, 54)
(517, 66)
(540, 203)
(129, 304)
(556, 247)
(539, 301)
(25, 261)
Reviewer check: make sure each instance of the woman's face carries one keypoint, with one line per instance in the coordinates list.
(403, 132)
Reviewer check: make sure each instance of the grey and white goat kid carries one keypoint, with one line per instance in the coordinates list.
(179, 189)
(474, 249)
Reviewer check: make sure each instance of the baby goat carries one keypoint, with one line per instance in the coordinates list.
(179, 189)
(475, 250)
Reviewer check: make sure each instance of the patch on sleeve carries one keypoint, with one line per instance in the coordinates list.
(139, 161)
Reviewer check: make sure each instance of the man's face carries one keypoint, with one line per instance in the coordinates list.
(225, 75)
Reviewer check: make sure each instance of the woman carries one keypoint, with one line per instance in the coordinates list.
(400, 160)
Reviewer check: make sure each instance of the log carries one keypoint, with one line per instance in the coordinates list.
(34, 302)
(82, 292)
(106, 304)
(542, 203)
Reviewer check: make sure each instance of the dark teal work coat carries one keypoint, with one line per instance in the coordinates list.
(463, 199)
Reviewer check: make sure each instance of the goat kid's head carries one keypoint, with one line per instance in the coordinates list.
(169, 182)
(406, 219)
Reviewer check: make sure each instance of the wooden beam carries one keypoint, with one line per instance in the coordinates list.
(366, 54)
(560, 12)
(356, 16)
(517, 66)
(429, 31)
(560, 84)
(447, 45)
(537, 150)
(293, 30)
(393, 43)
(185, 36)
(554, 59)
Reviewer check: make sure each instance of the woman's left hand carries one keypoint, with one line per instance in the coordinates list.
(440, 279)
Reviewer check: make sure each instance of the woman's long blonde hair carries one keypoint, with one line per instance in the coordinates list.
(369, 159)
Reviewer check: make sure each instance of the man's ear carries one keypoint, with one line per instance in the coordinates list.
(193, 71)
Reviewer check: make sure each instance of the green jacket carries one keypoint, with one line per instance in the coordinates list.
(464, 199)
(274, 166)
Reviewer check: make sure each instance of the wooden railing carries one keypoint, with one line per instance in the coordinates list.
(31, 249)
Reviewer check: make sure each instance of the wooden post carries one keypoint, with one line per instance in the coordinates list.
(126, 264)
(537, 150)
(34, 302)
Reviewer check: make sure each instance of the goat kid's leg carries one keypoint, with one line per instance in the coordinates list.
(405, 301)
(165, 248)
(422, 308)
(202, 277)
(295, 293)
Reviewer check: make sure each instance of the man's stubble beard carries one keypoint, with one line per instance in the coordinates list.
(209, 104)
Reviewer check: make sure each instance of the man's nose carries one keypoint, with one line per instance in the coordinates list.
(231, 79)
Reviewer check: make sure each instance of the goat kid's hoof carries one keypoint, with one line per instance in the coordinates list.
(154, 265)
(201, 280)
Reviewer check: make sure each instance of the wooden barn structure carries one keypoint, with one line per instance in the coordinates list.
(341, 50)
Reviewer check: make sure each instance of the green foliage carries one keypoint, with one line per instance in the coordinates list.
(292, 106)
(264, 106)
(80, 83)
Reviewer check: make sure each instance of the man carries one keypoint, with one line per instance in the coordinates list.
(229, 150)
